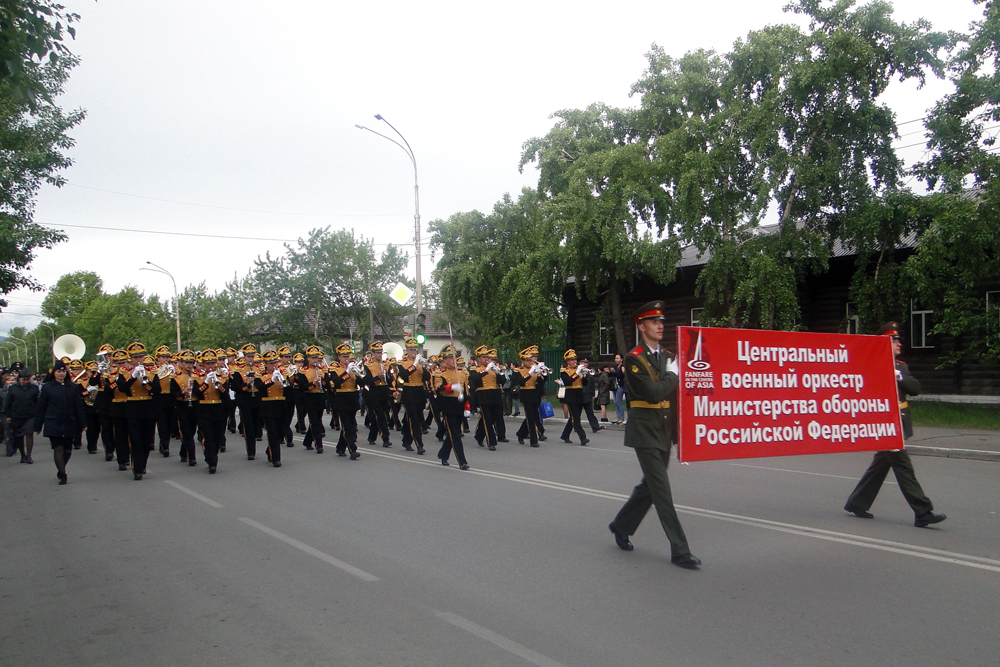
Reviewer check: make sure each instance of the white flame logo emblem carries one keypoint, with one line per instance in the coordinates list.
(697, 364)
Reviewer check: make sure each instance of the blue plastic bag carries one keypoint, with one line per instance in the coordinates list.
(546, 410)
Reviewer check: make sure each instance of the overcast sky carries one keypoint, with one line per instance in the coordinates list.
(249, 105)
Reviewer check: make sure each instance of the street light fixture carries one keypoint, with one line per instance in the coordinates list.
(52, 333)
(23, 342)
(34, 334)
(177, 303)
(416, 195)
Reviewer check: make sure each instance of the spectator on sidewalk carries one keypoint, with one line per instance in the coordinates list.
(19, 411)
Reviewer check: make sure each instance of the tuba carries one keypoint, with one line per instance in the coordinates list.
(70, 346)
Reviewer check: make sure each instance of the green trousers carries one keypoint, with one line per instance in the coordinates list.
(654, 489)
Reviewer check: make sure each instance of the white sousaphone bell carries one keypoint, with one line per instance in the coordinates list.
(391, 349)
(69, 345)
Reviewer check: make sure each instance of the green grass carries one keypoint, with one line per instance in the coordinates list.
(955, 415)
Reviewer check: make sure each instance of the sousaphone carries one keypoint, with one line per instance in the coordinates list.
(69, 345)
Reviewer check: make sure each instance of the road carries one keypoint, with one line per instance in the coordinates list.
(396, 560)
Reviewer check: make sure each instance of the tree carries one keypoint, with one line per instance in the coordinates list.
(32, 33)
(500, 276)
(324, 287)
(596, 189)
(789, 119)
(33, 137)
(70, 296)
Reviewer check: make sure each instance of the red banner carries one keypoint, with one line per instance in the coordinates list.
(747, 393)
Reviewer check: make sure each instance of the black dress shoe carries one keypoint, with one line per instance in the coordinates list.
(63, 479)
(583, 443)
(542, 438)
(340, 453)
(165, 453)
(192, 462)
(479, 442)
(421, 450)
(858, 512)
(566, 440)
(444, 462)
(520, 441)
(387, 444)
(250, 457)
(927, 518)
(289, 444)
(492, 448)
(355, 456)
(408, 448)
(276, 464)
(464, 466)
(137, 476)
(621, 539)
(534, 444)
(371, 442)
(687, 561)
(309, 447)
(502, 440)
(222, 449)
(122, 467)
(109, 458)
(211, 470)
(319, 449)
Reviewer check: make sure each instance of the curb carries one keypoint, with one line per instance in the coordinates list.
(951, 453)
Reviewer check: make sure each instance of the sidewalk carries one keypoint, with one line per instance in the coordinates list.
(952, 443)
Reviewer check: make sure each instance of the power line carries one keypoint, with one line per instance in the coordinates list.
(209, 236)
(244, 210)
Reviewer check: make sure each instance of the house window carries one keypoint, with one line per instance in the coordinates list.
(920, 326)
(605, 334)
(696, 317)
(853, 321)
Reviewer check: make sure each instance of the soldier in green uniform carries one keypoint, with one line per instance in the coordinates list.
(864, 493)
(650, 428)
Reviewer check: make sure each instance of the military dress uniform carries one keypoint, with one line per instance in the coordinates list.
(115, 383)
(311, 382)
(863, 496)
(485, 381)
(210, 392)
(577, 387)
(248, 402)
(287, 371)
(413, 377)
(182, 385)
(103, 402)
(652, 392)
(164, 402)
(529, 382)
(299, 361)
(343, 379)
(92, 393)
(141, 386)
(274, 406)
(451, 388)
(378, 395)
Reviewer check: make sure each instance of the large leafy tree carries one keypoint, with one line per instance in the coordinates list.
(323, 288)
(500, 275)
(597, 192)
(790, 123)
(34, 66)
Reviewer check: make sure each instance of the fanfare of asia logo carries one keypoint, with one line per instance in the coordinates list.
(698, 375)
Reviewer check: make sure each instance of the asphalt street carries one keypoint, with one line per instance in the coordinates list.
(396, 560)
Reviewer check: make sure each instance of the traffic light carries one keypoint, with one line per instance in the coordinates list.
(420, 331)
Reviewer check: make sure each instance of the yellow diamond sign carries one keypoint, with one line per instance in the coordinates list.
(401, 294)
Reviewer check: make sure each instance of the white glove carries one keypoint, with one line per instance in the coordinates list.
(672, 366)
(899, 375)
(293, 369)
(171, 368)
(534, 370)
(211, 377)
(466, 413)
(92, 389)
(419, 360)
(276, 376)
(352, 367)
(559, 382)
(455, 387)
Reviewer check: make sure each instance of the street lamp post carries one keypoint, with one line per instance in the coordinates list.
(34, 334)
(177, 302)
(51, 333)
(416, 196)
(23, 342)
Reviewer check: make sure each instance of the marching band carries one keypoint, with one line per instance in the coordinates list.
(135, 403)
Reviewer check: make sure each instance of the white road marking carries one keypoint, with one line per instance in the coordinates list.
(194, 494)
(326, 558)
(801, 472)
(508, 645)
(804, 531)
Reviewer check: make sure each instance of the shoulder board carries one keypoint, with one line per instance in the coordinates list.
(637, 351)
